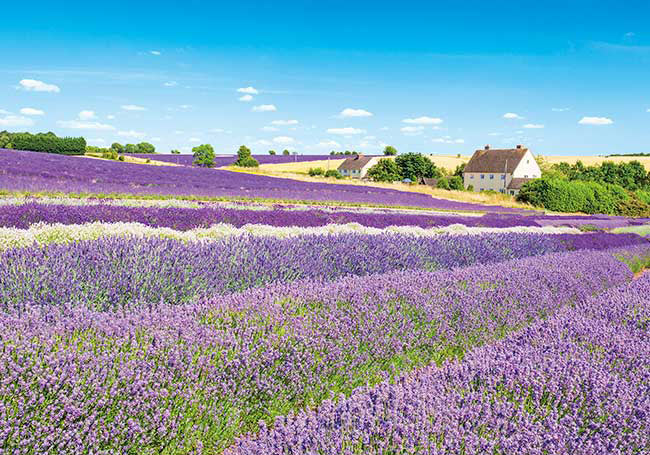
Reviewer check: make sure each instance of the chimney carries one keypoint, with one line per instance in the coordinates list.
(487, 147)
(519, 146)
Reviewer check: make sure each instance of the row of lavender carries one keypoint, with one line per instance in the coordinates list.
(190, 378)
(112, 273)
(578, 383)
(44, 172)
(24, 215)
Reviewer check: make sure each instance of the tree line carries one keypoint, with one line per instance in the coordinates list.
(43, 142)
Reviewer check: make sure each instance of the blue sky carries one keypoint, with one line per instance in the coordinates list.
(567, 77)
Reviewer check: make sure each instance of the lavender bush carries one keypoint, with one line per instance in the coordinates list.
(111, 273)
(576, 383)
(181, 379)
(32, 212)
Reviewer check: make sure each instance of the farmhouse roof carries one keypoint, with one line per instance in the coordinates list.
(495, 160)
(355, 163)
(517, 183)
(429, 181)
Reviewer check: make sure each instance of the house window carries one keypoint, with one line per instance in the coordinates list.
(512, 192)
(503, 177)
(525, 176)
(482, 177)
(491, 176)
(471, 176)
(527, 161)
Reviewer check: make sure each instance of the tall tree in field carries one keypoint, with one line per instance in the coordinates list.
(245, 158)
(415, 165)
(203, 155)
(389, 150)
(145, 147)
(119, 148)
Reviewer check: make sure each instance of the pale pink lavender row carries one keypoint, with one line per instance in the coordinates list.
(189, 379)
(577, 383)
(44, 172)
(24, 215)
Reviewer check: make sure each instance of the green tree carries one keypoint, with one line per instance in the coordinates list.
(286, 152)
(460, 169)
(245, 158)
(386, 170)
(175, 152)
(119, 148)
(145, 147)
(389, 150)
(443, 183)
(4, 140)
(130, 148)
(413, 166)
(271, 152)
(203, 155)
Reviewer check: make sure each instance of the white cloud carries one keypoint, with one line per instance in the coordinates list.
(32, 85)
(595, 121)
(87, 115)
(98, 140)
(185, 106)
(170, 84)
(512, 115)
(269, 128)
(263, 142)
(495, 134)
(447, 140)
(110, 117)
(179, 132)
(131, 133)
(82, 125)
(284, 122)
(533, 126)
(412, 129)
(249, 90)
(349, 112)
(217, 130)
(328, 144)
(246, 98)
(31, 111)
(384, 128)
(155, 52)
(647, 110)
(15, 120)
(133, 107)
(560, 109)
(346, 131)
(155, 139)
(284, 140)
(423, 121)
(265, 108)
(195, 139)
(3, 112)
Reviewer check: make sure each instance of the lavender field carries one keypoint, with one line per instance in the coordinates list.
(49, 173)
(225, 160)
(183, 326)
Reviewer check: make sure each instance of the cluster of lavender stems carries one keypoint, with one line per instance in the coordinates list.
(192, 378)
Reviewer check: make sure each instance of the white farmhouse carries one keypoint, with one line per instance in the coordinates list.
(502, 170)
(357, 166)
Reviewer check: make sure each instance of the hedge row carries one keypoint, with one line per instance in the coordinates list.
(47, 143)
(579, 196)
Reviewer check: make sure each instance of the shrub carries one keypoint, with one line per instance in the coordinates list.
(203, 155)
(314, 171)
(456, 183)
(386, 170)
(443, 183)
(245, 158)
(470, 187)
(121, 158)
(573, 196)
(333, 173)
(415, 165)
